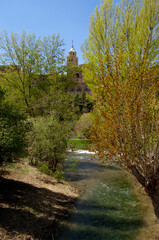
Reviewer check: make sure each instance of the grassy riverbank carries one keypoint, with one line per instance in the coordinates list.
(76, 144)
(33, 204)
(150, 230)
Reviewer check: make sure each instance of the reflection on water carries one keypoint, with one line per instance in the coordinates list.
(107, 209)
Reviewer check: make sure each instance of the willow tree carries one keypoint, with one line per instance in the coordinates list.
(122, 69)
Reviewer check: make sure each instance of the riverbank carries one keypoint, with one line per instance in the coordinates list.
(140, 211)
(32, 203)
(76, 144)
(150, 230)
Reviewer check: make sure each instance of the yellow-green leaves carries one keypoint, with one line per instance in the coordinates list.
(122, 69)
(27, 61)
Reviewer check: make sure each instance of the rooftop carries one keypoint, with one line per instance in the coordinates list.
(72, 49)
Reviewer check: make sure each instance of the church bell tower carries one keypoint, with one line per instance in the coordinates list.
(72, 59)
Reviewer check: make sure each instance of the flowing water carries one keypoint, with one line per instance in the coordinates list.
(107, 208)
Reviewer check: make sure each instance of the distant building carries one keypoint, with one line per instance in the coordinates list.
(75, 73)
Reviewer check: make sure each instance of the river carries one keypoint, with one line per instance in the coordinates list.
(107, 208)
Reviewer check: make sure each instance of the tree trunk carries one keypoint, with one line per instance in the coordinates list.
(151, 187)
(155, 202)
(53, 164)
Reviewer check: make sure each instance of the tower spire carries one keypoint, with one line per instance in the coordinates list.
(72, 49)
(72, 58)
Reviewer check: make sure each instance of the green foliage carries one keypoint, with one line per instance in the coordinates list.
(33, 76)
(122, 72)
(45, 169)
(75, 144)
(71, 166)
(27, 63)
(13, 129)
(82, 104)
(58, 102)
(25, 170)
(48, 141)
(11, 166)
(83, 125)
(59, 175)
(127, 32)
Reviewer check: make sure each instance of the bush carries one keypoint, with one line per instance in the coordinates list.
(59, 175)
(45, 169)
(47, 142)
(83, 126)
(13, 129)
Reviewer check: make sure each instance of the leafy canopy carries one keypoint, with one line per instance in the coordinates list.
(28, 65)
(122, 69)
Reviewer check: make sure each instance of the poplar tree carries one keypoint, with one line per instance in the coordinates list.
(122, 57)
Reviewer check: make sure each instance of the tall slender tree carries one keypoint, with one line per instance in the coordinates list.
(122, 69)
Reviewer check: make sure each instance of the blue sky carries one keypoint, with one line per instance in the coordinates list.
(69, 18)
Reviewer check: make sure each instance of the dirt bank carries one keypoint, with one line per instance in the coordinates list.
(32, 203)
(150, 230)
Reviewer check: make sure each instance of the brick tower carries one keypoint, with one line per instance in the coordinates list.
(72, 59)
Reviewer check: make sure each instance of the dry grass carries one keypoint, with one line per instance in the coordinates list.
(150, 230)
(32, 203)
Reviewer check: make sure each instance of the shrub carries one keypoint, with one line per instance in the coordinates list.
(45, 169)
(83, 126)
(47, 141)
(59, 175)
(13, 129)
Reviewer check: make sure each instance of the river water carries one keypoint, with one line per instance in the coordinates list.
(107, 208)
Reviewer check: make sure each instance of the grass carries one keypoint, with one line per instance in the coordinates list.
(25, 170)
(76, 144)
(11, 166)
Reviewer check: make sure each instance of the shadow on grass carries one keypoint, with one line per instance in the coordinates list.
(26, 209)
(96, 222)
(85, 170)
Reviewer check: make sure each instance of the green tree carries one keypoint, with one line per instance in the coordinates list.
(122, 72)
(83, 125)
(51, 126)
(47, 143)
(27, 63)
(82, 103)
(54, 97)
